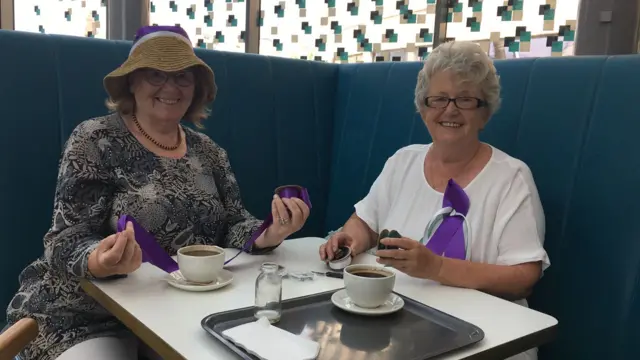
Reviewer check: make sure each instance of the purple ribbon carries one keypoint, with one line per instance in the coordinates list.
(154, 254)
(285, 192)
(448, 240)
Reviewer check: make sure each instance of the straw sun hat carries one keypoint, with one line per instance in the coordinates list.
(163, 48)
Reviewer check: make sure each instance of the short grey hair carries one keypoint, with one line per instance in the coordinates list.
(469, 62)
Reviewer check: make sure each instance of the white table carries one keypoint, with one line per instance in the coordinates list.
(168, 319)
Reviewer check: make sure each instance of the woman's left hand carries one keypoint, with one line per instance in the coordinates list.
(413, 258)
(288, 222)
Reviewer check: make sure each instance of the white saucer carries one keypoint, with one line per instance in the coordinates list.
(341, 300)
(176, 280)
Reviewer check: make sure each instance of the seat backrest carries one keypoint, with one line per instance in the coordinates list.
(52, 83)
(573, 121)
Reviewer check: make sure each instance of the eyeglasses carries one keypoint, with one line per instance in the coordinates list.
(464, 103)
(159, 78)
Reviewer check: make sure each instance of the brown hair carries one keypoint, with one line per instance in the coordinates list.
(197, 111)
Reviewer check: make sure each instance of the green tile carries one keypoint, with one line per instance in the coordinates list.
(332, 3)
(377, 20)
(449, 17)
(477, 7)
(153, 8)
(307, 30)
(344, 56)
(570, 35)
(209, 7)
(368, 47)
(192, 15)
(379, 2)
(525, 36)
(514, 46)
(457, 7)
(394, 38)
(279, 47)
(260, 22)
(550, 14)
(431, 1)
(338, 29)
(475, 26)
(354, 11)
(281, 13)
(412, 19)
(322, 47)
(221, 39)
(428, 37)
(518, 5)
(302, 4)
(556, 46)
(506, 15)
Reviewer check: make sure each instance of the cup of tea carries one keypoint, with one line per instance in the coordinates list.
(368, 286)
(200, 263)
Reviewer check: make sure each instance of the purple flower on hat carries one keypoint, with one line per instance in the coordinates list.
(149, 32)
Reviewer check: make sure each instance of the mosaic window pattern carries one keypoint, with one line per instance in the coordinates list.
(211, 24)
(516, 28)
(347, 30)
(399, 30)
(67, 17)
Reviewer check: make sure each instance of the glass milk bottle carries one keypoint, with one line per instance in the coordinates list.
(268, 293)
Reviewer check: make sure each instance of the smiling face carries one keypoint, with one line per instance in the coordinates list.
(163, 96)
(448, 123)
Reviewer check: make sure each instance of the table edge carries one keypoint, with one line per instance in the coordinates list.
(513, 347)
(150, 338)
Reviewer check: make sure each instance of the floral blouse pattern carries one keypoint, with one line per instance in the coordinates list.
(104, 173)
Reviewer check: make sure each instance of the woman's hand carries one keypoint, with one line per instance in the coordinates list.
(328, 250)
(116, 254)
(413, 258)
(289, 215)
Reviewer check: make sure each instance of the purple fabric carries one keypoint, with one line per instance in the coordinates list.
(146, 30)
(289, 191)
(448, 239)
(154, 254)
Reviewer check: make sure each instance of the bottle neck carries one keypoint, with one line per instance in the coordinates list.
(269, 268)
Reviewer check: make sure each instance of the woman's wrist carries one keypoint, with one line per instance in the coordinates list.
(269, 238)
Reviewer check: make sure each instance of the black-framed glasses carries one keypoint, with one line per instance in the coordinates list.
(159, 78)
(463, 102)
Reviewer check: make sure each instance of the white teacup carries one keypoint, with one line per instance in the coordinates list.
(368, 286)
(201, 263)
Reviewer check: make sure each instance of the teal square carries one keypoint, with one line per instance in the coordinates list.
(514, 46)
(307, 30)
(229, 1)
(192, 15)
(368, 47)
(209, 7)
(556, 46)
(354, 11)
(97, 17)
(377, 20)
(174, 8)
(234, 22)
(332, 3)
(281, 13)
(570, 35)
(393, 38)
(428, 37)
(360, 37)
(209, 22)
(379, 2)
(525, 36)
(550, 14)
(404, 9)
(412, 19)
(260, 22)
(430, 1)
(517, 5)
(475, 26)
(221, 39)
(302, 4)
(338, 30)
(506, 15)
(344, 56)
(477, 7)
(449, 17)
(457, 7)
(279, 47)
(322, 47)
(202, 46)
(68, 17)
(153, 8)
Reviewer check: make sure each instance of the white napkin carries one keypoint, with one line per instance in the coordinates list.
(268, 342)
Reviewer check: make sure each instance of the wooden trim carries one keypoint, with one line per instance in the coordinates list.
(142, 331)
(7, 19)
(15, 338)
(252, 30)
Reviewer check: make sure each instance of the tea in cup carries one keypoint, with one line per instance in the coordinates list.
(368, 286)
(201, 263)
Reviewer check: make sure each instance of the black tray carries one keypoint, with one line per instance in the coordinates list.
(417, 332)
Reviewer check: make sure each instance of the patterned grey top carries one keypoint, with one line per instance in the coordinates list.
(104, 173)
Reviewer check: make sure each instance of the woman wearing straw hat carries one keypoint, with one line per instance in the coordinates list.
(176, 182)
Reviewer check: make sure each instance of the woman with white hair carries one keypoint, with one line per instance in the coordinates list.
(469, 214)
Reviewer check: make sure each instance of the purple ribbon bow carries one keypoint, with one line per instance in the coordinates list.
(154, 254)
(448, 240)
